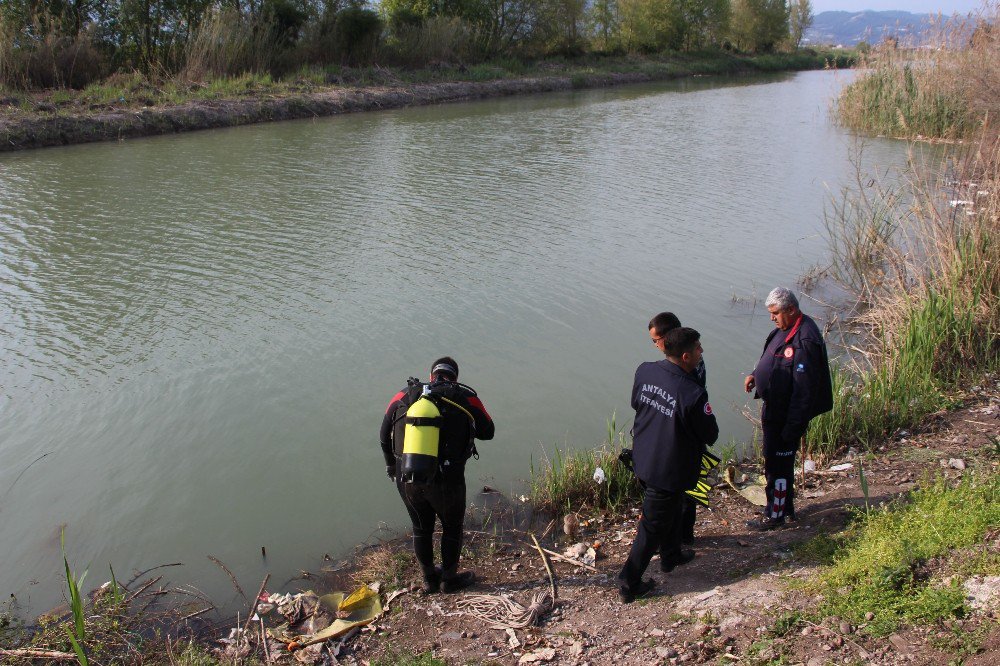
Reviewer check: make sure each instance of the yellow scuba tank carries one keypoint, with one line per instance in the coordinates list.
(421, 439)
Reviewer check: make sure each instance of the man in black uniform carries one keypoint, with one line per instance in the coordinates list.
(792, 377)
(463, 418)
(659, 326)
(673, 421)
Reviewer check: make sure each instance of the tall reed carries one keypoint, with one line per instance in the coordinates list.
(945, 87)
(923, 263)
(228, 44)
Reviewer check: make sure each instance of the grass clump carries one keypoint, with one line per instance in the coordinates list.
(566, 480)
(895, 564)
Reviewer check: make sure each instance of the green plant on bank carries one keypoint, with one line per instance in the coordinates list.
(78, 634)
(883, 564)
(566, 480)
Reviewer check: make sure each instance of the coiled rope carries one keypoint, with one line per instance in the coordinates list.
(499, 611)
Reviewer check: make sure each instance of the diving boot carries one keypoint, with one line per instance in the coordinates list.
(629, 594)
(432, 581)
(457, 581)
(677, 559)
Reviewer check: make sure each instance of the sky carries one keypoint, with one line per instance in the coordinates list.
(915, 6)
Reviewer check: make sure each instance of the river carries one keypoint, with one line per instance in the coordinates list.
(201, 332)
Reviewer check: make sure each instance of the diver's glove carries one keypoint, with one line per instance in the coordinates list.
(390, 471)
(625, 457)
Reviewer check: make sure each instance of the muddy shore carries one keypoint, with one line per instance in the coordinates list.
(722, 607)
(50, 127)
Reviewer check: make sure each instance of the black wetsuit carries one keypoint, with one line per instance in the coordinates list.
(792, 377)
(673, 423)
(444, 498)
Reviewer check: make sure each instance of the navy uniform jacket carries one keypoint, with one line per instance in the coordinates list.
(793, 377)
(673, 424)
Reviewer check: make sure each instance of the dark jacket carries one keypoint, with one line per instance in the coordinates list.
(455, 433)
(673, 424)
(793, 377)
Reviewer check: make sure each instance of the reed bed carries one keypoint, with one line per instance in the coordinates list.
(922, 263)
(946, 87)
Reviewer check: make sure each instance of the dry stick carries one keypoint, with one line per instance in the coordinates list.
(563, 558)
(231, 577)
(39, 654)
(263, 641)
(146, 586)
(256, 600)
(140, 574)
(548, 528)
(194, 614)
(548, 568)
(170, 651)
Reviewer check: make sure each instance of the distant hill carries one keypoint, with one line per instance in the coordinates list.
(849, 28)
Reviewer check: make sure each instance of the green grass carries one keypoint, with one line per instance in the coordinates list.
(565, 482)
(892, 561)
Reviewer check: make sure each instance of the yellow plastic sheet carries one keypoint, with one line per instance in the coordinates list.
(358, 609)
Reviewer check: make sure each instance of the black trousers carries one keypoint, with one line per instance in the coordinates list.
(779, 466)
(689, 514)
(657, 532)
(427, 503)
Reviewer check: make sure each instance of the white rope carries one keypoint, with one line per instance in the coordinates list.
(502, 612)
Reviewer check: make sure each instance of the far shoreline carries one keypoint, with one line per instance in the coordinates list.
(40, 122)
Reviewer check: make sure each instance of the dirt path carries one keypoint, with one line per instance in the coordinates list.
(721, 607)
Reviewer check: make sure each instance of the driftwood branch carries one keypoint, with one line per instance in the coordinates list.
(256, 601)
(231, 576)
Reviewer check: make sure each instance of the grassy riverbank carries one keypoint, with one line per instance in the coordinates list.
(136, 105)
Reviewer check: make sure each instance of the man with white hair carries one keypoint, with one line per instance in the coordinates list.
(792, 377)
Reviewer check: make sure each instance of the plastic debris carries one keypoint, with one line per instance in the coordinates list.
(599, 476)
(842, 467)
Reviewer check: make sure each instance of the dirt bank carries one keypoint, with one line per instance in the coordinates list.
(721, 608)
(20, 131)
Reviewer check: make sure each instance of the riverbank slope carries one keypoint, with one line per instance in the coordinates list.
(130, 107)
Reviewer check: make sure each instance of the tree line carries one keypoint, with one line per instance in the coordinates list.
(49, 43)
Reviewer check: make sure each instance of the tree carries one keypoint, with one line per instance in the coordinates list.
(800, 18)
(758, 26)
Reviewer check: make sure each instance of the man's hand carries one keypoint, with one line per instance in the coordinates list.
(749, 383)
(390, 471)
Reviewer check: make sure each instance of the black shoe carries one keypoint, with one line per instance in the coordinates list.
(679, 558)
(432, 582)
(629, 594)
(766, 524)
(688, 540)
(459, 581)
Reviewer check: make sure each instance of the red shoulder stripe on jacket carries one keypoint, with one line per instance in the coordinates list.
(478, 404)
(396, 398)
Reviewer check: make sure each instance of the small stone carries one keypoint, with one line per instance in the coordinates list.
(657, 633)
(806, 631)
(816, 661)
(846, 628)
(869, 616)
(956, 463)
(701, 629)
(575, 649)
(515, 566)
(451, 636)
(827, 648)
(838, 641)
(666, 652)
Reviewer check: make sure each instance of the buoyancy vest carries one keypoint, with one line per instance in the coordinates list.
(432, 429)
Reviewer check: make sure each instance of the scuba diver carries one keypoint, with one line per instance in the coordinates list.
(428, 433)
